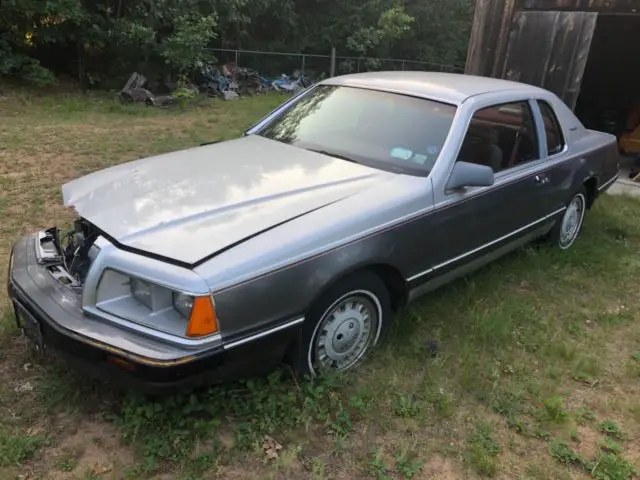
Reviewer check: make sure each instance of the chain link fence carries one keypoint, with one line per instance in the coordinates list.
(274, 64)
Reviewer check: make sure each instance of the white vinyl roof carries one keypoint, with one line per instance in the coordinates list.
(445, 87)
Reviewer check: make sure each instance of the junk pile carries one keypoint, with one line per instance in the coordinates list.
(134, 91)
(227, 81)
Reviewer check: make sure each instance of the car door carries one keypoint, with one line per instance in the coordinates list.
(558, 174)
(473, 223)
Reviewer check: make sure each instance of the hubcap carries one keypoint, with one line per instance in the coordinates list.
(345, 332)
(572, 221)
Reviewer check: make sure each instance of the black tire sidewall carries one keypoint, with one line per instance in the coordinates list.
(557, 229)
(362, 281)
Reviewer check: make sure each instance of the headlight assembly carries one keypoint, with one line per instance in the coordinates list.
(156, 306)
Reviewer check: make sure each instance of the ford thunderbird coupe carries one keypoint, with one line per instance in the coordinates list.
(298, 241)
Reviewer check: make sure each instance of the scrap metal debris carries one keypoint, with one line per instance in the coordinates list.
(134, 91)
(227, 81)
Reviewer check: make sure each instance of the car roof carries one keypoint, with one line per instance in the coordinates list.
(452, 88)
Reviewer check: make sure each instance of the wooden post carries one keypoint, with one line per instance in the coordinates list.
(332, 68)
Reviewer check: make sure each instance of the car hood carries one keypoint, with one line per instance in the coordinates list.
(188, 205)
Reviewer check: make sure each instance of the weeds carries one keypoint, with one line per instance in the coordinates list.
(378, 467)
(610, 466)
(612, 429)
(168, 428)
(563, 453)
(482, 448)
(407, 465)
(584, 416)
(610, 446)
(15, 448)
(406, 406)
(554, 410)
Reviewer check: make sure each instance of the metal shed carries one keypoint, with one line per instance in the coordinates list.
(567, 46)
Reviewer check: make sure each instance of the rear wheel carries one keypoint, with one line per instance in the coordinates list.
(344, 325)
(567, 229)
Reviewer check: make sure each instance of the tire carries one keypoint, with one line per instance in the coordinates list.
(365, 297)
(568, 228)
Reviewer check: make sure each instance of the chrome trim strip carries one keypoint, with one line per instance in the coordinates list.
(482, 247)
(609, 182)
(256, 336)
(101, 315)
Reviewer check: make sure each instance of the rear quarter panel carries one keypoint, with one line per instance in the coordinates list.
(592, 154)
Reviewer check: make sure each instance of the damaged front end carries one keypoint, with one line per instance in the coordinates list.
(68, 255)
(73, 297)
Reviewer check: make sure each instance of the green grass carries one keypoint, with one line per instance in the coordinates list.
(537, 353)
(17, 447)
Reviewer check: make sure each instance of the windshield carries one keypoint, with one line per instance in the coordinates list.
(380, 129)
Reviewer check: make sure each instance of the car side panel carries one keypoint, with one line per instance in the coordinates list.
(425, 247)
(287, 293)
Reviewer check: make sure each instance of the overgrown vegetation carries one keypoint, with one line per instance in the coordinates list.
(100, 41)
(505, 395)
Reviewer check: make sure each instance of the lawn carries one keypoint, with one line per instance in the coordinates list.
(537, 371)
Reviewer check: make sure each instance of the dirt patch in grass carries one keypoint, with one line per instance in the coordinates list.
(534, 351)
(88, 448)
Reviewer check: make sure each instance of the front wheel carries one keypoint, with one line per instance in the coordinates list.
(344, 325)
(567, 230)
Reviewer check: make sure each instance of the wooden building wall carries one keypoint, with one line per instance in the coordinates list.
(541, 42)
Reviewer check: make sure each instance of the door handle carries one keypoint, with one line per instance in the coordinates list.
(541, 179)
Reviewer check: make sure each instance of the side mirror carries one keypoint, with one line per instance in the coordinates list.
(466, 174)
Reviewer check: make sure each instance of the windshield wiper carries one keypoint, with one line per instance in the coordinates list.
(331, 154)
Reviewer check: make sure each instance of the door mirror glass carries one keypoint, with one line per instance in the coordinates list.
(466, 174)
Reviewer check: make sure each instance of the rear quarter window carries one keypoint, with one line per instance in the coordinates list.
(553, 132)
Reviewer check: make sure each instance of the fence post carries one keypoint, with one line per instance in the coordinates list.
(304, 57)
(332, 68)
(402, 65)
(236, 58)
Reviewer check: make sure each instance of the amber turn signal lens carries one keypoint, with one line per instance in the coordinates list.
(203, 319)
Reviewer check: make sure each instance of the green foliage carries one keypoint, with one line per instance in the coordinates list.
(482, 448)
(185, 50)
(610, 466)
(407, 465)
(406, 406)
(610, 446)
(584, 416)
(98, 39)
(563, 453)
(612, 429)
(378, 468)
(16, 448)
(554, 410)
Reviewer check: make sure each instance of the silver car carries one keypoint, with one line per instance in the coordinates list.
(300, 240)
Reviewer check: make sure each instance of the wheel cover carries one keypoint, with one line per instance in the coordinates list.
(572, 221)
(346, 331)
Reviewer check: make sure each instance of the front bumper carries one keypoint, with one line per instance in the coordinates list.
(106, 351)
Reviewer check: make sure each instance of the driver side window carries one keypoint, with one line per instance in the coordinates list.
(501, 137)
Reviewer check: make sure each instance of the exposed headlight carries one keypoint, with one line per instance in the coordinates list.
(183, 304)
(156, 306)
(141, 291)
